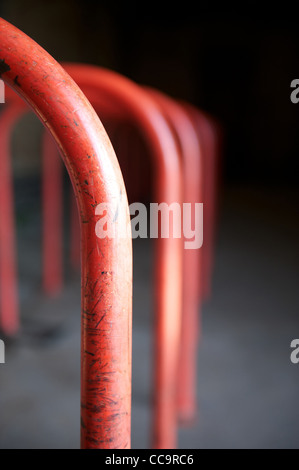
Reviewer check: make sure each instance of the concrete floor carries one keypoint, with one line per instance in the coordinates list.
(247, 386)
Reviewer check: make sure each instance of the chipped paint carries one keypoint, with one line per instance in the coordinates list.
(106, 305)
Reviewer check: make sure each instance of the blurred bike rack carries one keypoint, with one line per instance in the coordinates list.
(164, 149)
(9, 303)
(113, 95)
(192, 167)
(210, 136)
(106, 274)
(191, 150)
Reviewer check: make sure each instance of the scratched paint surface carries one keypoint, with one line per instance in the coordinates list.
(106, 265)
(109, 92)
(118, 95)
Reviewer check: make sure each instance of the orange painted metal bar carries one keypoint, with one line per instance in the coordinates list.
(74, 233)
(52, 226)
(208, 139)
(113, 95)
(107, 263)
(192, 165)
(52, 217)
(52, 270)
(9, 295)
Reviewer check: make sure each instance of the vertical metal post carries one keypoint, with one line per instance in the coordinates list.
(9, 297)
(192, 168)
(107, 263)
(52, 216)
(110, 91)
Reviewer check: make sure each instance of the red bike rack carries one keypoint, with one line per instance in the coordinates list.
(209, 137)
(195, 143)
(192, 166)
(162, 148)
(107, 264)
(116, 96)
(9, 303)
(52, 218)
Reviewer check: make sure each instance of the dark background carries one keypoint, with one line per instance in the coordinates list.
(235, 64)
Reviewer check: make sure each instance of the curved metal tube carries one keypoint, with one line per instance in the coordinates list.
(106, 264)
(114, 95)
(208, 140)
(52, 217)
(52, 270)
(117, 101)
(9, 297)
(192, 260)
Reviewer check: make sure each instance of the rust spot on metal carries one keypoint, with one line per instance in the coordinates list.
(103, 316)
(88, 194)
(88, 352)
(4, 67)
(16, 81)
